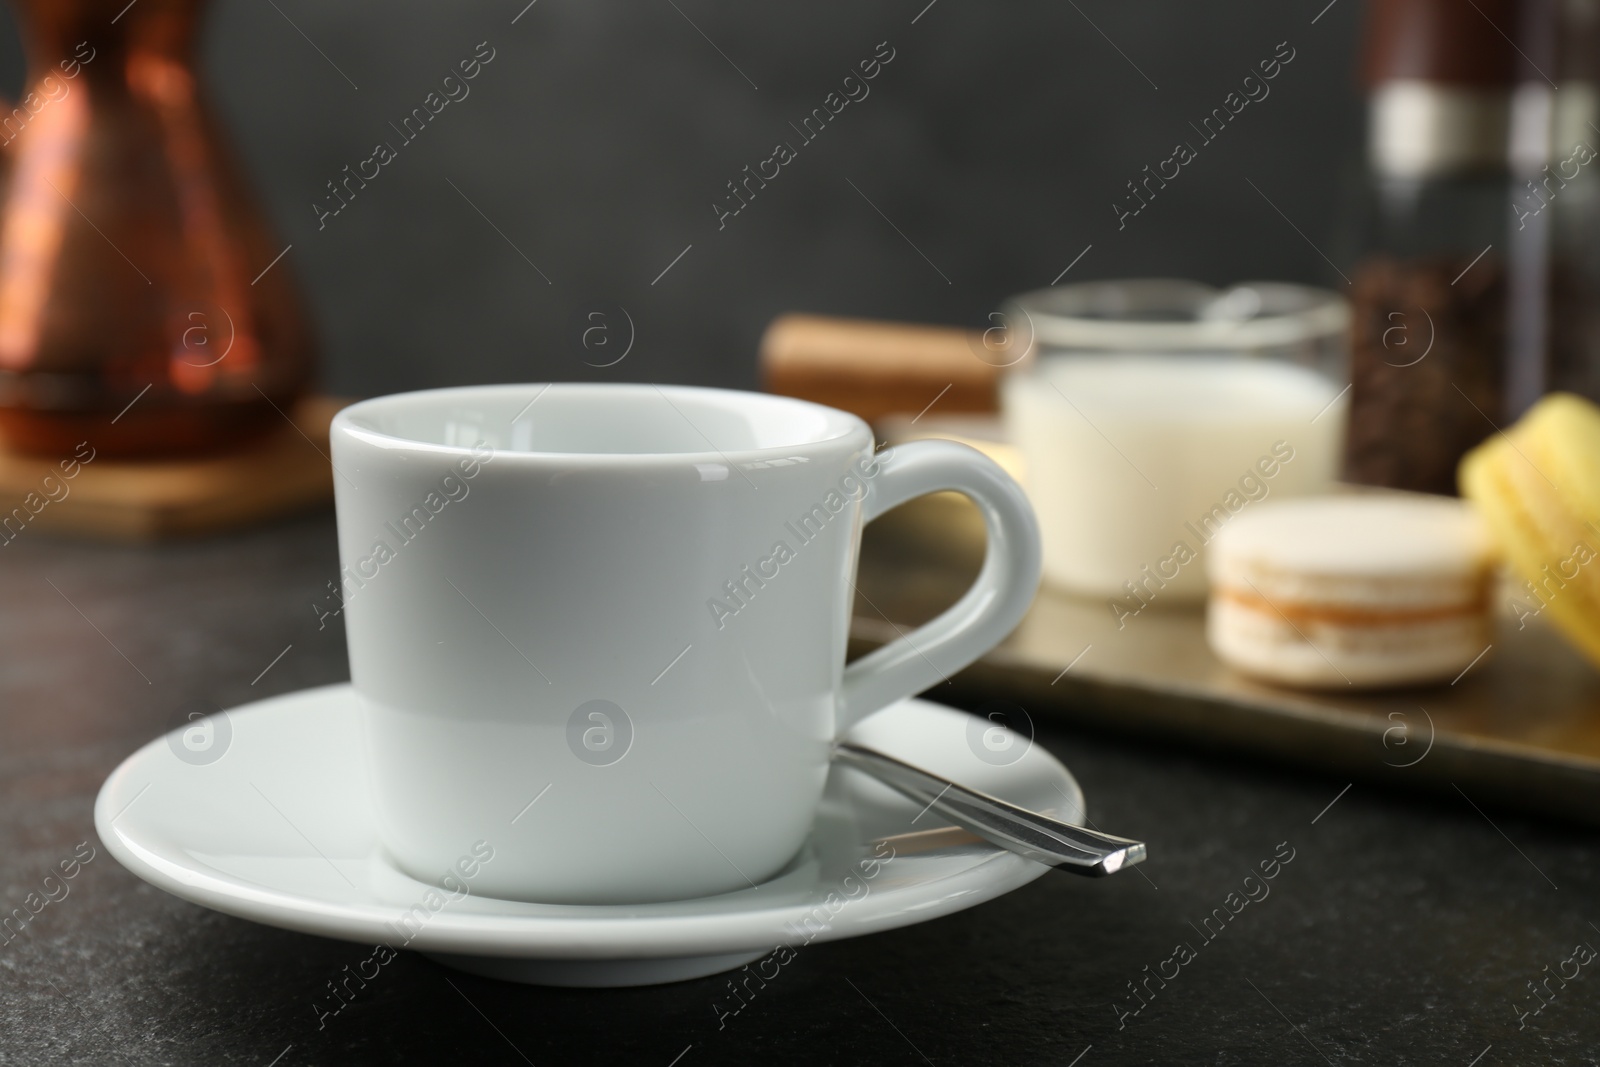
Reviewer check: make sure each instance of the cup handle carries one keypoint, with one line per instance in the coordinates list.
(986, 613)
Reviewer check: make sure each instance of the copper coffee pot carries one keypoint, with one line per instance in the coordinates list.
(144, 306)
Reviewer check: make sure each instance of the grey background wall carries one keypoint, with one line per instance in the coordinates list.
(986, 157)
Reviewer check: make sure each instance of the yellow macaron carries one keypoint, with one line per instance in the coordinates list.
(1537, 487)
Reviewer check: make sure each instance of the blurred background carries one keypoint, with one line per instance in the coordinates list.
(985, 160)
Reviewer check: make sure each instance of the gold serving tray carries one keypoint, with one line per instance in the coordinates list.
(1520, 728)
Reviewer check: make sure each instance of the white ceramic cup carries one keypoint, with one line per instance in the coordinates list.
(600, 629)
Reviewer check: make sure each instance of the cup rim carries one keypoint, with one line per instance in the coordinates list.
(1062, 316)
(839, 425)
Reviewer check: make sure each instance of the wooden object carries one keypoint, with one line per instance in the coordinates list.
(873, 369)
(143, 500)
(1427, 41)
(1519, 729)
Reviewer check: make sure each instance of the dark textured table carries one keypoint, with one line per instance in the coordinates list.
(1403, 931)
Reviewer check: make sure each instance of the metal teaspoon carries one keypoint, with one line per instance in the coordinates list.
(1027, 833)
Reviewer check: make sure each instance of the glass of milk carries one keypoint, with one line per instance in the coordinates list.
(1149, 413)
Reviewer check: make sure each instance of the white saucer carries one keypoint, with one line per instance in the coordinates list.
(277, 829)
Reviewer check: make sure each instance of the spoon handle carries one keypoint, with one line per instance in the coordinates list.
(1038, 837)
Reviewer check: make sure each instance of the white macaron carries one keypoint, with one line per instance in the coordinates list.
(1364, 591)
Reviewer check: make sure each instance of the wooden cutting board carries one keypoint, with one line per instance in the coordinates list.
(146, 500)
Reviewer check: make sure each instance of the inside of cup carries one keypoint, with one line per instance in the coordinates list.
(1160, 314)
(1172, 300)
(600, 419)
